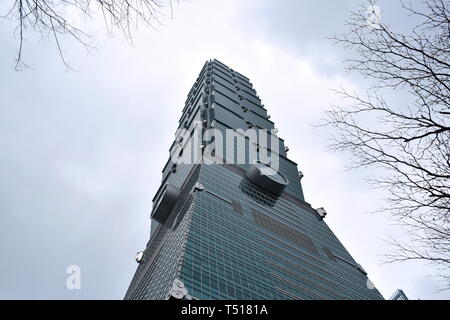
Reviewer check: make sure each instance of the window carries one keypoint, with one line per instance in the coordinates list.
(237, 206)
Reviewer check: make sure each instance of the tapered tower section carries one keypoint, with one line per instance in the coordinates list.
(229, 220)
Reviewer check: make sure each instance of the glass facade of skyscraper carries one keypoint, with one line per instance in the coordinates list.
(227, 235)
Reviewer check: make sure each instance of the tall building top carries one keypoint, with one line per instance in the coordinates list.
(398, 295)
(229, 220)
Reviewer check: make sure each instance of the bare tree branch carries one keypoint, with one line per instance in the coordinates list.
(54, 19)
(411, 142)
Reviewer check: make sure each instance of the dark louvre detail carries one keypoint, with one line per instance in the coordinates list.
(237, 206)
(284, 231)
(329, 253)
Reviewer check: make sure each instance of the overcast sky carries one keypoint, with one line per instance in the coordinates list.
(81, 153)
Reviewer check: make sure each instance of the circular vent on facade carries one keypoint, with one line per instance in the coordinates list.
(267, 178)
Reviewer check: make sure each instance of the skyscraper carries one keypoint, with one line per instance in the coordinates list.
(229, 220)
(398, 295)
